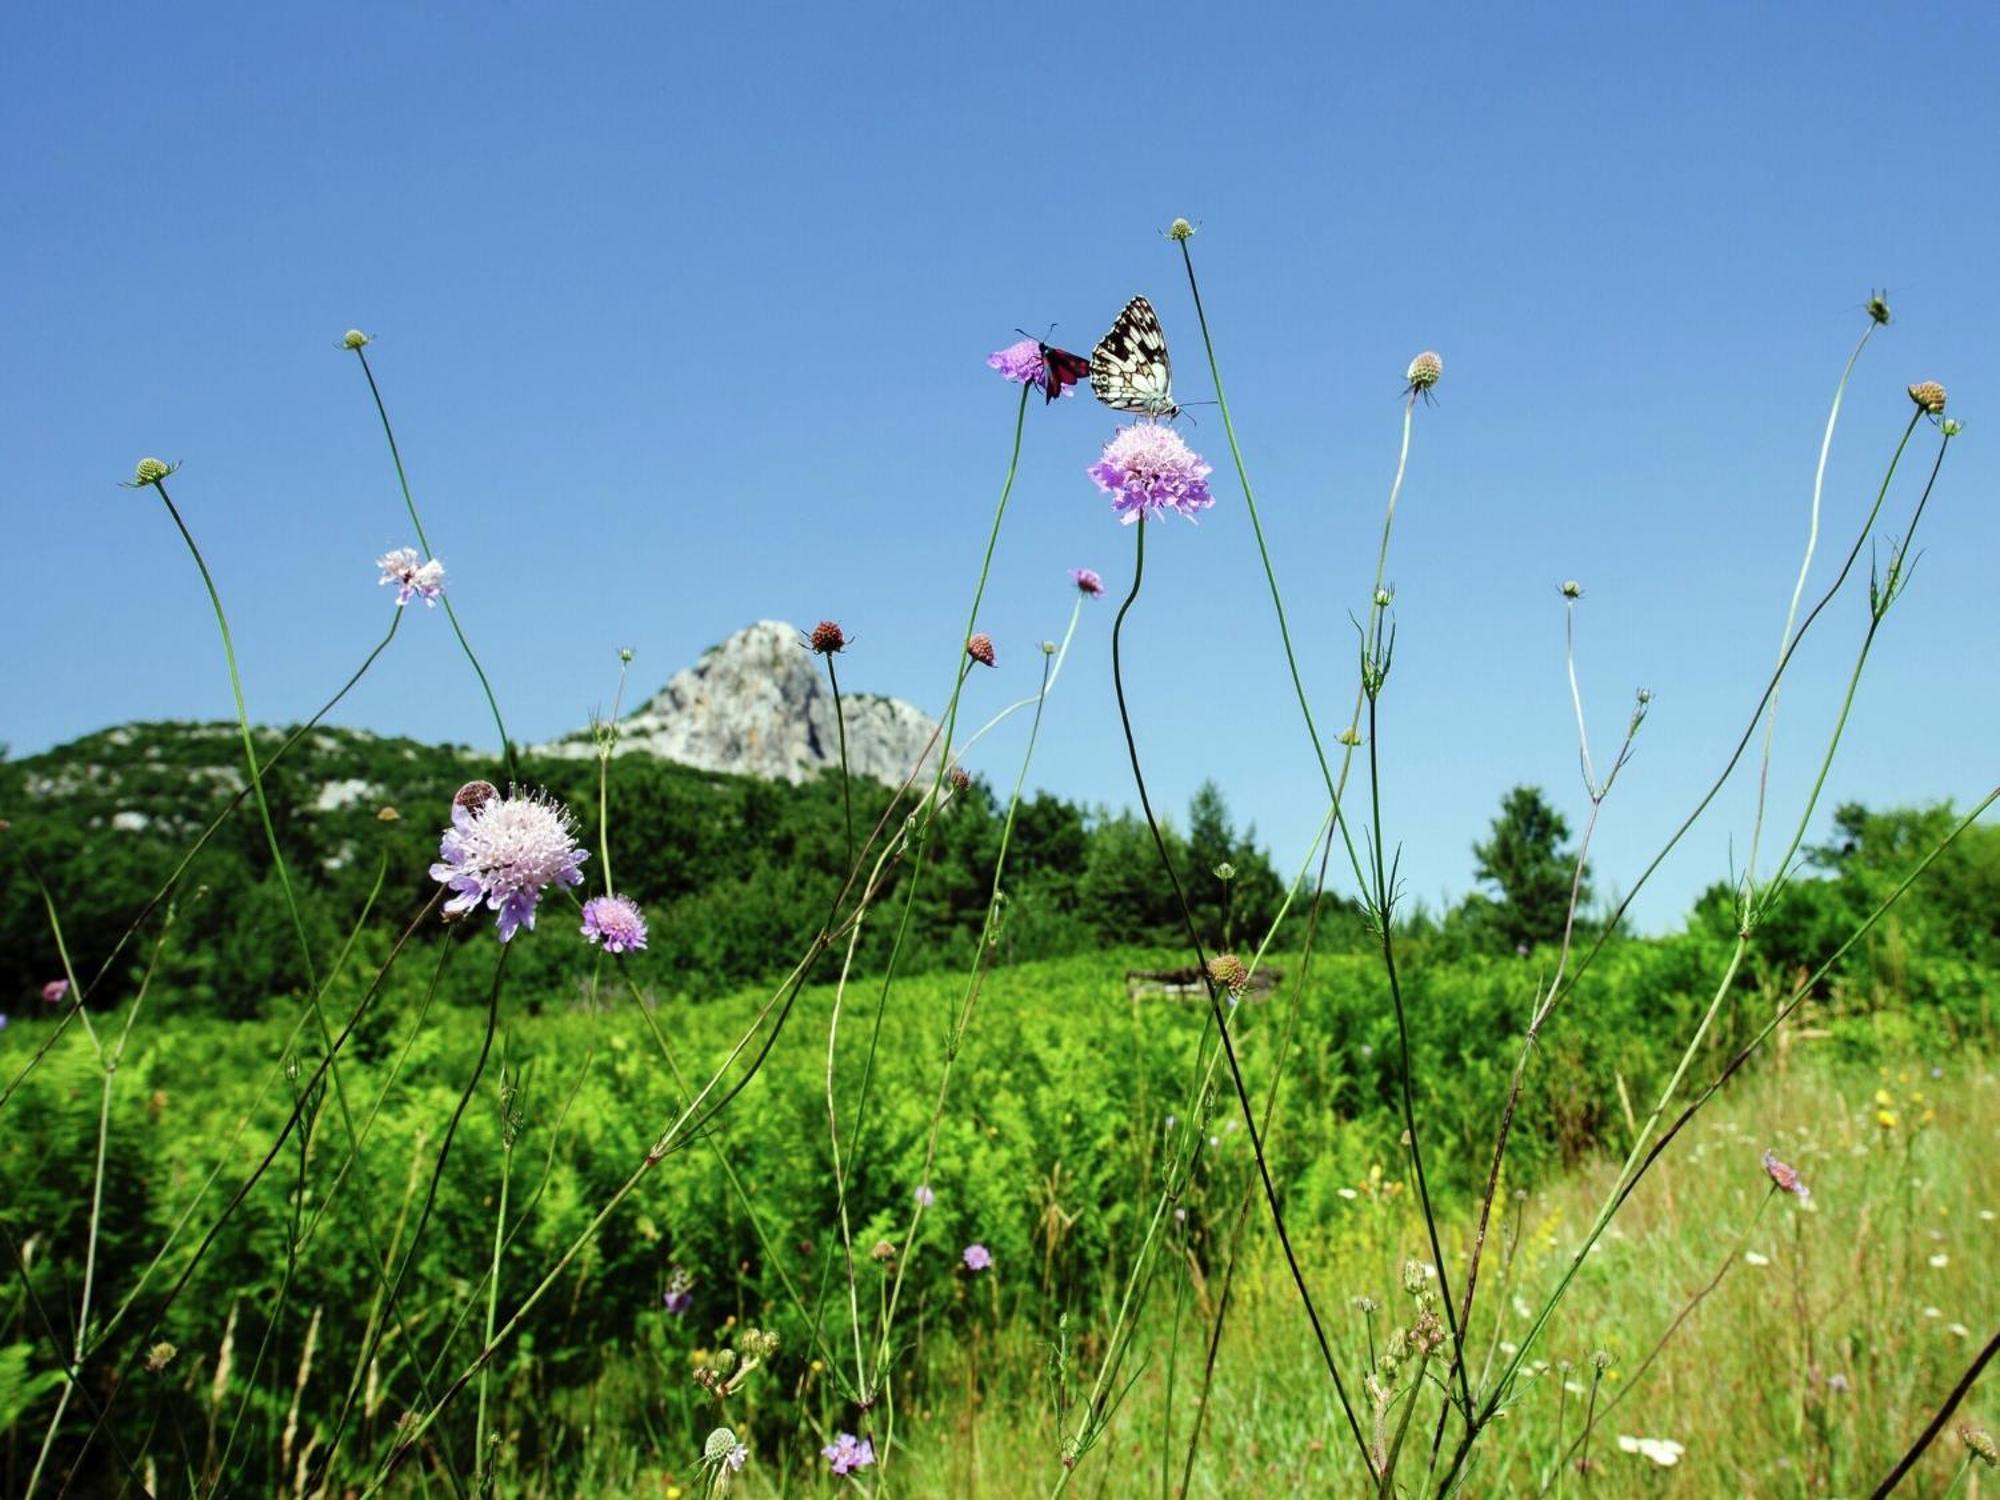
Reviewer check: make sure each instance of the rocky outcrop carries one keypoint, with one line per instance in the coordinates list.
(759, 705)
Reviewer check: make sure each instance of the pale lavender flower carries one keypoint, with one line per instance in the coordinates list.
(616, 920)
(977, 1258)
(412, 576)
(736, 1457)
(1148, 469)
(925, 1197)
(504, 854)
(1022, 363)
(845, 1454)
(54, 991)
(1086, 581)
(679, 1295)
(3, 1020)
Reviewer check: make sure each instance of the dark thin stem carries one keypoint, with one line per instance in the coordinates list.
(409, 501)
(1383, 900)
(1214, 998)
(1936, 1423)
(430, 1199)
(846, 779)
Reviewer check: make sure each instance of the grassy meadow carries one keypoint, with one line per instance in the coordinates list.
(956, 1140)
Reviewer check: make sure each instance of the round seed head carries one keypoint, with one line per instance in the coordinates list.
(354, 338)
(150, 471)
(1180, 229)
(980, 649)
(1228, 973)
(1929, 396)
(828, 638)
(1424, 371)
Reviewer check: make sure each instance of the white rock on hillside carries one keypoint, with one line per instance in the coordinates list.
(758, 705)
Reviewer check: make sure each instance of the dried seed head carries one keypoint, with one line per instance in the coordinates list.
(386, 814)
(828, 638)
(475, 795)
(1600, 1359)
(883, 1251)
(980, 649)
(1980, 1441)
(1228, 973)
(1929, 396)
(1424, 371)
(959, 779)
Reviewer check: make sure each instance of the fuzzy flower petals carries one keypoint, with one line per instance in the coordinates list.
(1021, 363)
(978, 1258)
(1087, 581)
(504, 854)
(1148, 469)
(412, 576)
(616, 921)
(846, 1454)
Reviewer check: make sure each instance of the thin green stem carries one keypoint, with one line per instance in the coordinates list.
(1798, 590)
(410, 503)
(1214, 998)
(484, 1467)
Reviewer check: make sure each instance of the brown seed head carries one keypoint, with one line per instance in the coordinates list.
(1227, 970)
(1929, 396)
(828, 638)
(475, 795)
(1424, 371)
(980, 649)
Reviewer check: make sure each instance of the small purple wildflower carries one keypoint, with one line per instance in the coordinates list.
(845, 1454)
(1787, 1178)
(412, 576)
(679, 1295)
(1087, 582)
(925, 1197)
(54, 991)
(616, 920)
(505, 853)
(3, 1020)
(1023, 364)
(978, 1258)
(1148, 469)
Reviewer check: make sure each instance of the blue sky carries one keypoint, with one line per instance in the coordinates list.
(682, 317)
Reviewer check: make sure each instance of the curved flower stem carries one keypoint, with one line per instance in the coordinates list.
(249, 743)
(409, 501)
(484, 1472)
(607, 742)
(430, 1198)
(846, 778)
(1217, 1012)
(82, 992)
(1798, 589)
(1936, 1424)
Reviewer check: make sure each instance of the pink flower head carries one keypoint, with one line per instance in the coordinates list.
(54, 991)
(1020, 362)
(505, 853)
(1148, 469)
(980, 649)
(412, 576)
(845, 1454)
(1787, 1178)
(617, 921)
(978, 1258)
(1087, 582)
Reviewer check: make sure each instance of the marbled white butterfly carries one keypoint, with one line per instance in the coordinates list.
(1129, 368)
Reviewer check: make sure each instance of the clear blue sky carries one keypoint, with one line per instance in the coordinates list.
(682, 316)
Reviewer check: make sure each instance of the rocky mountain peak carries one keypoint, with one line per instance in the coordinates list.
(759, 705)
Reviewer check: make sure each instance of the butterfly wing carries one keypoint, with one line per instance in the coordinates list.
(1129, 368)
(1064, 370)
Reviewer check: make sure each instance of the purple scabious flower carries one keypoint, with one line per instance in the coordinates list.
(3, 1020)
(1087, 582)
(617, 921)
(978, 1258)
(845, 1454)
(1786, 1178)
(1023, 364)
(925, 1197)
(504, 853)
(412, 576)
(54, 991)
(1148, 469)
(679, 1295)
